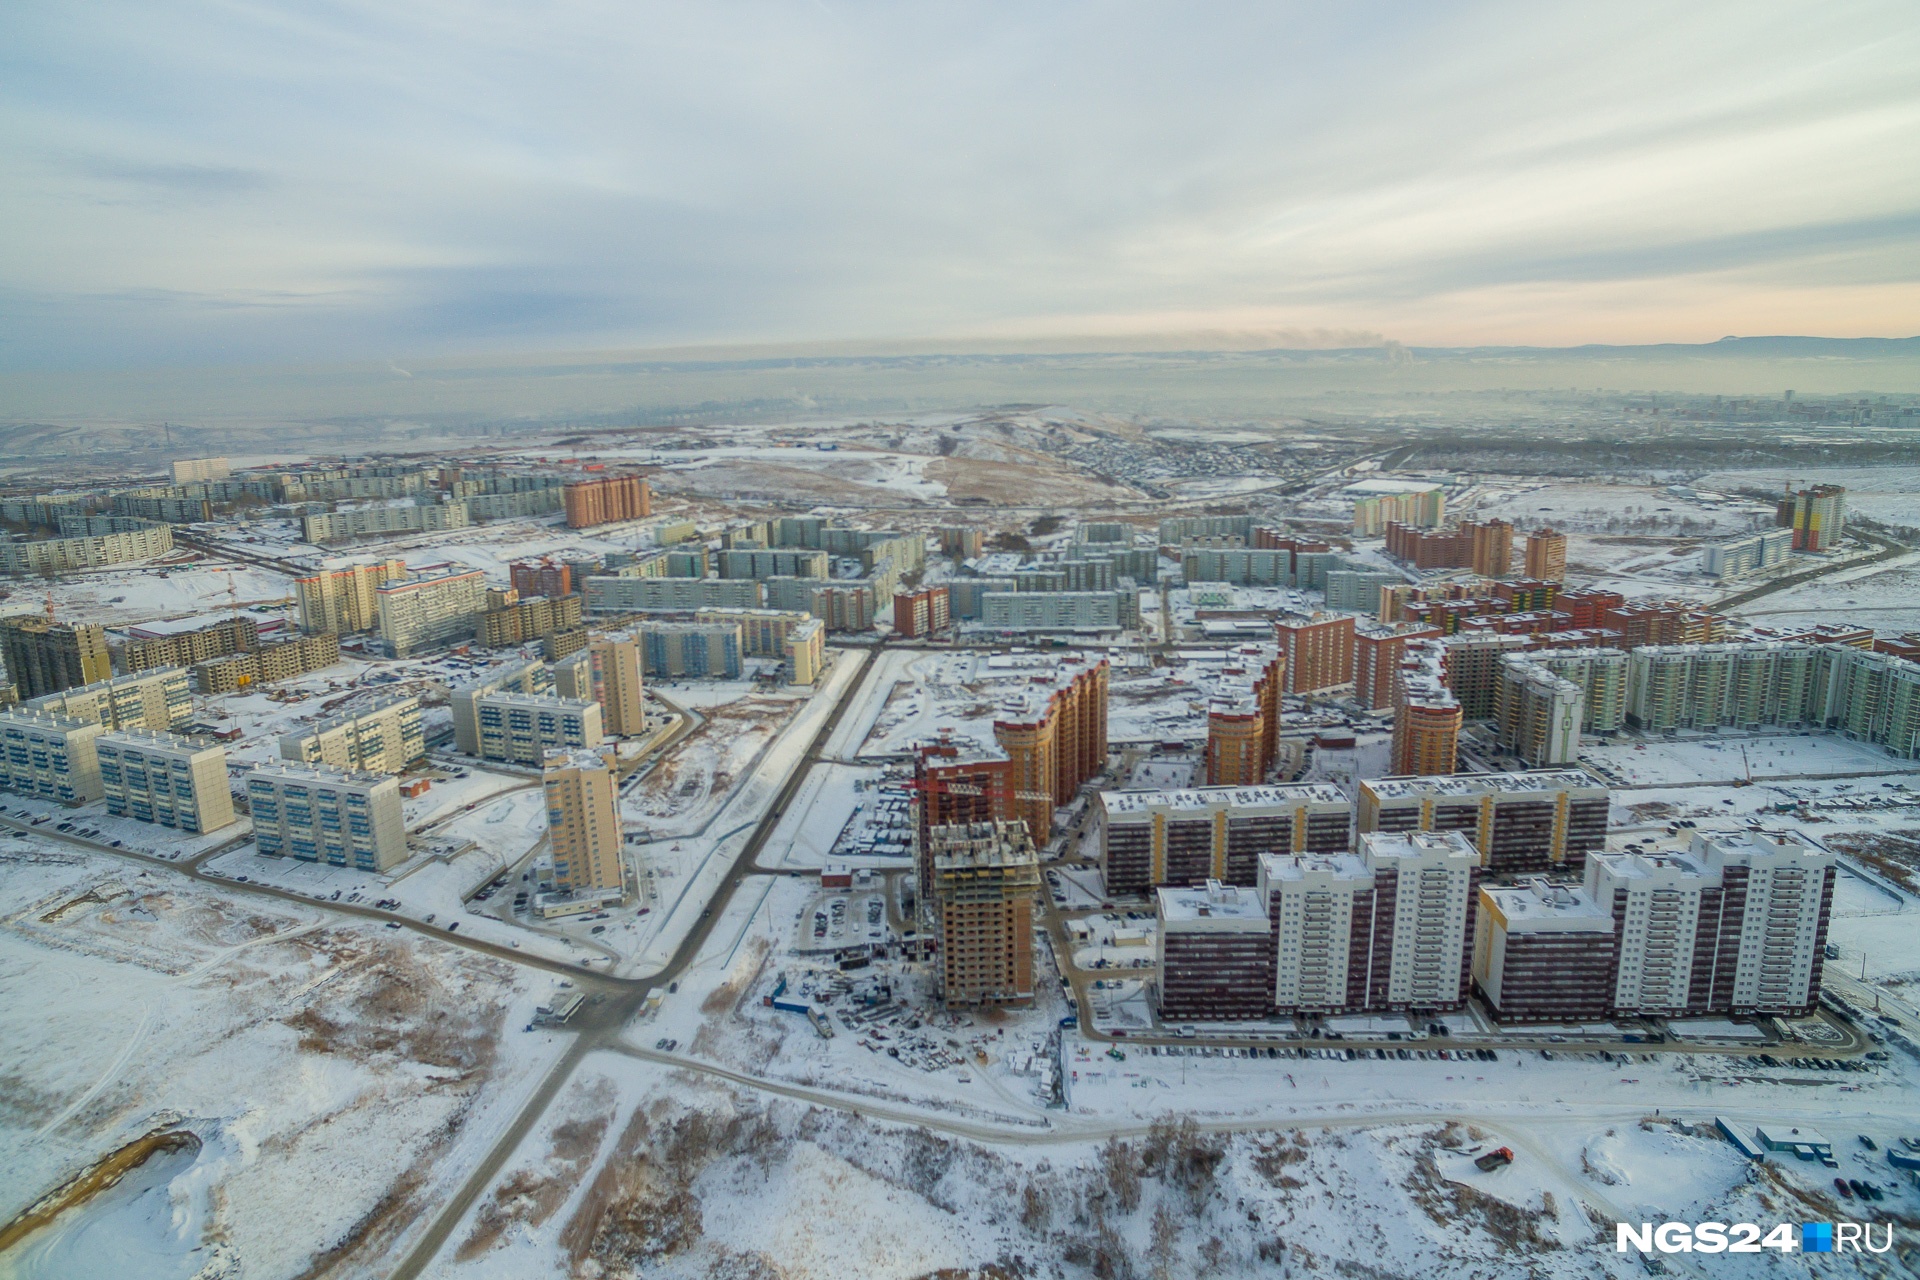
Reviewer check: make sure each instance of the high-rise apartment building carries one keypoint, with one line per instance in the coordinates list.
(386, 737)
(175, 781)
(607, 670)
(1188, 836)
(1546, 556)
(44, 656)
(1426, 715)
(956, 783)
(527, 676)
(1818, 517)
(1424, 890)
(985, 875)
(342, 601)
(1318, 651)
(1321, 906)
(1538, 714)
(583, 822)
(1543, 952)
(1378, 503)
(317, 813)
(50, 756)
(920, 611)
(426, 613)
(1741, 556)
(271, 662)
(1544, 820)
(1054, 732)
(1243, 719)
(1213, 948)
(543, 577)
(1492, 548)
(607, 500)
(960, 542)
(158, 699)
(1706, 686)
(1378, 650)
(191, 470)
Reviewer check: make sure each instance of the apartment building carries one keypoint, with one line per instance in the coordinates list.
(1426, 715)
(1546, 555)
(175, 781)
(1378, 651)
(1378, 503)
(956, 782)
(44, 656)
(342, 601)
(692, 650)
(159, 699)
(1735, 923)
(189, 470)
(583, 823)
(121, 541)
(766, 562)
(1177, 531)
(960, 542)
(520, 728)
(606, 501)
(1059, 611)
(1243, 720)
(672, 595)
(1486, 548)
(921, 611)
(608, 671)
(386, 737)
(430, 612)
(425, 515)
(985, 876)
(1818, 517)
(1742, 685)
(806, 651)
(1213, 950)
(1318, 650)
(1191, 835)
(1537, 714)
(543, 577)
(1740, 557)
(1870, 697)
(527, 676)
(53, 757)
(1321, 906)
(316, 813)
(1425, 886)
(1544, 820)
(1543, 952)
(1358, 590)
(151, 646)
(1054, 732)
(509, 621)
(267, 664)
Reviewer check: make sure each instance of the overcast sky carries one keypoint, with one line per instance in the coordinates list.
(239, 182)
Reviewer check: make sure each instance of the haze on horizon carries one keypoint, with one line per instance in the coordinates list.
(201, 184)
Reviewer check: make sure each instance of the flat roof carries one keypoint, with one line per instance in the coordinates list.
(1480, 784)
(1277, 795)
(1229, 908)
(1297, 866)
(1546, 907)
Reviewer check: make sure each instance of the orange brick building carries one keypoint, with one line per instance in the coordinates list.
(1318, 651)
(1377, 652)
(1426, 715)
(606, 500)
(921, 612)
(1547, 555)
(1243, 726)
(1055, 735)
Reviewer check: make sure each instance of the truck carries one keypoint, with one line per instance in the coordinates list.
(1498, 1158)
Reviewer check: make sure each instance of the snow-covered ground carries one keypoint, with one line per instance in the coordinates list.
(336, 1076)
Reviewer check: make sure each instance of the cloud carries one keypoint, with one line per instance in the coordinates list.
(203, 182)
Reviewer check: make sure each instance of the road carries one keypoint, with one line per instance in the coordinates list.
(1888, 550)
(601, 1021)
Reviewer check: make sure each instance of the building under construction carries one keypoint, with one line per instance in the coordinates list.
(985, 876)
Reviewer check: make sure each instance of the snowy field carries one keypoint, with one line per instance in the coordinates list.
(334, 1077)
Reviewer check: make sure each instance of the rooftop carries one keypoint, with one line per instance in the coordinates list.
(1278, 795)
(1541, 905)
(1233, 909)
(1480, 784)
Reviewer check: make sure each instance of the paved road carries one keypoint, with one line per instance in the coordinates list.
(600, 1022)
(1888, 550)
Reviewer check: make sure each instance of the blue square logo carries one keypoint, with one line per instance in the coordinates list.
(1816, 1237)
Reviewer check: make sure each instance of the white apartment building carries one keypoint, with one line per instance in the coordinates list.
(1431, 877)
(522, 727)
(1750, 554)
(50, 756)
(1657, 899)
(426, 613)
(384, 738)
(1537, 714)
(1312, 902)
(165, 778)
(1780, 886)
(317, 813)
(157, 699)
